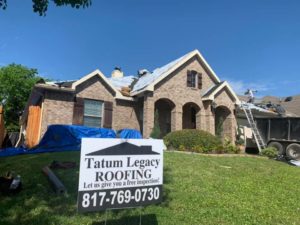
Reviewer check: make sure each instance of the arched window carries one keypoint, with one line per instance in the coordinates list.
(194, 79)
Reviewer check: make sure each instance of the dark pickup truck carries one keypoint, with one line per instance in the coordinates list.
(281, 133)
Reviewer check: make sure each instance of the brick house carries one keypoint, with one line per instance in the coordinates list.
(186, 93)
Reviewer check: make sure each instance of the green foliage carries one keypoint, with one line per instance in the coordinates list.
(230, 148)
(270, 152)
(16, 82)
(197, 148)
(192, 140)
(156, 129)
(41, 6)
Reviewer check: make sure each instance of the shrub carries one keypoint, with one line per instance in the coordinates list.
(192, 140)
(270, 152)
(197, 148)
(230, 148)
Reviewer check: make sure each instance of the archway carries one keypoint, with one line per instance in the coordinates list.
(189, 115)
(163, 108)
(223, 123)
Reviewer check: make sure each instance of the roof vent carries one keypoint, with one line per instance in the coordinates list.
(142, 72)
(117, 73)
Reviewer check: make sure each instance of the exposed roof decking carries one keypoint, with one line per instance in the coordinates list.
(148, 81)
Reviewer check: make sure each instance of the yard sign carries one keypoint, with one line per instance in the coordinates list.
(118, 173)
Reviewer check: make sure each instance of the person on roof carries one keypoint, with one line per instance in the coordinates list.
(250, 94)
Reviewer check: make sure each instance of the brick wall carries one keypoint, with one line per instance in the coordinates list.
(174, 88)
(224, 99)
(57, 108)
(125, 115)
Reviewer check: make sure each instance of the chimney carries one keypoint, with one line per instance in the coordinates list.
(117, 73)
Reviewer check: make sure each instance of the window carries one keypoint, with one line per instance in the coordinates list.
(92, 113)
(194, 79)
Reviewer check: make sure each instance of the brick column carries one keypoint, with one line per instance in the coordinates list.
(201, 120)
(233, 128)
(148, 120)
(209, 121)
(176, 118)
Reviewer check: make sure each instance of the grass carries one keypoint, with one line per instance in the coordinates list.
(198, 190)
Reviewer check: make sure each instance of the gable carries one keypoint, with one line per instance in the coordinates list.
(148, 81)
(95, 88)
(106, 83)
(224, 97)
(215, 91)
(177, 80)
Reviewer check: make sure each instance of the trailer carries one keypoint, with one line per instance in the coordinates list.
(282, 134)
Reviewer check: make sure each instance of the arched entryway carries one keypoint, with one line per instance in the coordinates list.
(189, 115)
(223, 122)
(163, 109)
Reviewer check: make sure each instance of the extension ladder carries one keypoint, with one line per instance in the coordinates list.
(258, 139)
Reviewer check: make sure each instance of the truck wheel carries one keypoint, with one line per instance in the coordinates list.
(278, 146)
(293, 151)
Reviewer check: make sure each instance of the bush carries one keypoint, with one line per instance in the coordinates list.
(192, 140)
(230, 148)
(270, 152)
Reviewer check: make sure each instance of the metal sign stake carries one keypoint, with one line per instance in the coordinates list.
(141, 215)
(105, 217)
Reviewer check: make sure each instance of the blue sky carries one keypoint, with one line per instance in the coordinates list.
(252, 44)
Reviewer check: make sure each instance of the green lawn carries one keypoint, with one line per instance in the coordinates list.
(198, 190)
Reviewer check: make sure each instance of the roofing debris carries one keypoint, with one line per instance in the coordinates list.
(63, 84)
(287, 107)
(255, 107)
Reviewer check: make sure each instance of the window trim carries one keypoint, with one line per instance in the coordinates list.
(194, 74)
(93, 116)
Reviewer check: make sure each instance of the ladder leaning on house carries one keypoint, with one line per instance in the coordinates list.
(258, 139)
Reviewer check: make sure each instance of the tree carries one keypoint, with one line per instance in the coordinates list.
(41, 6)
(156, 129)
(16, 82)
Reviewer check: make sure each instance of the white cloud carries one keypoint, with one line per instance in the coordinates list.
(240, 87)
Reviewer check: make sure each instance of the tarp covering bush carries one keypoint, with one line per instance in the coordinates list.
(68, 138)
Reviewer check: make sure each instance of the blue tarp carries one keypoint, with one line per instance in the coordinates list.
(130, 134)
(59, 138)
(68, 137)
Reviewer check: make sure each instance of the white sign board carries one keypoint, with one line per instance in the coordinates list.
(118, 173)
